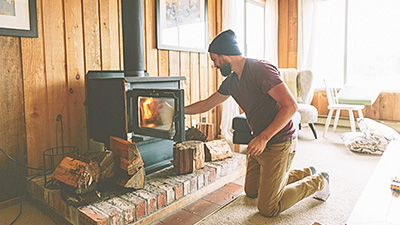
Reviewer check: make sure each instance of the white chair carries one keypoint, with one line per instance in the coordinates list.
(331, 94)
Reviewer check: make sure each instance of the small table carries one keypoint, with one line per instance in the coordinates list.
(358, 94)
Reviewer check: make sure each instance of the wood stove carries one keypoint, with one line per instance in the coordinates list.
(116, 99)
(117, 107)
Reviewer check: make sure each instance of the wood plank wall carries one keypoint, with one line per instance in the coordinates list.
(44, 77)
(386, 107)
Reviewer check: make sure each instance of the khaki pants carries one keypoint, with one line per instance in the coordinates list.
(268, 178)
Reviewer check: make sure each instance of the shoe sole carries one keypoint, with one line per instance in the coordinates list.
(321, 198)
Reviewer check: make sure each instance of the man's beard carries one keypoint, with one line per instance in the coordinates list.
(226, 69)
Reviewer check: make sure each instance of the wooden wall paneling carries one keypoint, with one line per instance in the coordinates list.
(372, 111)
(194, 83)
(218, 29)
(57, 93)
(91, 24)
(283, 33)
(173, 63)
(121, 39)
(12, 123)
(396, 107)
(212, 32)
(386, 105)
(184, 68)
(144, 33)
(75, 74)
(320, 102)
(150, 34)
(292, 34)
(163, 61)
(212, 87)
(203, 83)
(35, 94)
(109, 30)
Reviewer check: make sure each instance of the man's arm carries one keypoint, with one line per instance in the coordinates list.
(206, 104)
(283, 96)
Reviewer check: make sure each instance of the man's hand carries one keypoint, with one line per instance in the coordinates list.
(256, 146)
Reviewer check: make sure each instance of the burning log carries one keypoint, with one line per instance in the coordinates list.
(130, 162)
(188, 156)
(217, 150)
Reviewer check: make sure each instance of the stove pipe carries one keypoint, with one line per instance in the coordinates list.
(133, 43)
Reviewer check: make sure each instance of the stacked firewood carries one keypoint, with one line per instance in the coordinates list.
(78, 175)
(191, 154)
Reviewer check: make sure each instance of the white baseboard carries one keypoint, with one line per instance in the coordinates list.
(344, 122)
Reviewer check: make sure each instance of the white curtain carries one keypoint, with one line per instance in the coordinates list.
(230, 108)
(271, 31)
(306, 32)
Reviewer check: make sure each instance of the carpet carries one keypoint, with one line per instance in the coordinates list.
(349, 173)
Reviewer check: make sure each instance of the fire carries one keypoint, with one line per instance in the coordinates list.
(146, 106)
(148, 117)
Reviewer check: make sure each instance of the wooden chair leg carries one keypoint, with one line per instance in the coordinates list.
(328, 121)
(336, 119)
(313, 129)
(352, 124)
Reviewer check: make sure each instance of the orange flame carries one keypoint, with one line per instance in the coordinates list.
(146, 107)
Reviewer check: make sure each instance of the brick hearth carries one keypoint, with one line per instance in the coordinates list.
(164, 193)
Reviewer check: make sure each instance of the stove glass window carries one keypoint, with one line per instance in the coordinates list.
(156, 112)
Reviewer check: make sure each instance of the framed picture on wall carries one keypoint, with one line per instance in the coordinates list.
(182, 25)
(18, 18)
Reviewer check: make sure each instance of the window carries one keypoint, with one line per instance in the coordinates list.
(250, 29)
(368, 51)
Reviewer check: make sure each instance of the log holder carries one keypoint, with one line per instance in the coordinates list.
(54, 155)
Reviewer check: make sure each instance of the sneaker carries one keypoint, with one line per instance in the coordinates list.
(312, 170)
(324, 194)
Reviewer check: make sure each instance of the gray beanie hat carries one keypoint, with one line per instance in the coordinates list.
(225, 44)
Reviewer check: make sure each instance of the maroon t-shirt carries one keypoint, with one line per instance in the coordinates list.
(251, 93)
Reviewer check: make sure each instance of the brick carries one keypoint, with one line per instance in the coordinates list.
(211, 171)
(115, 214)
(216, 168)
(161, 195)
(167, 188)
(52, 193)
(39, 189)
(127, 207)
(200, 179)
(73, 215)
(46, 195)
(151, 199)
(185, 184)
(178, 187)
(206, 174)
(193, 183)
(90, 215)
(140, 204)
(222, 167)
(59, 204)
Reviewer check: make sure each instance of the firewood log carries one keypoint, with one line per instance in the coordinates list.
(188, 156)
(217, 150)
(132, 174)
(207, 129)
(195, 134)
(77, 173)
(130, 159)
